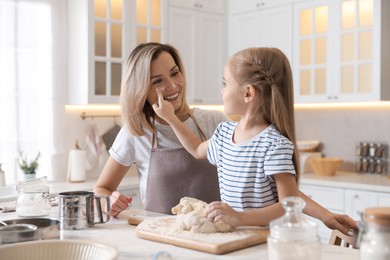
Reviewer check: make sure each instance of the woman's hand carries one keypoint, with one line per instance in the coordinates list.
(119, 202)
(218, 210)
(343, 223)
(163, 108)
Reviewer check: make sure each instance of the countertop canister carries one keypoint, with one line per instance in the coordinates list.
(376, 235)
(293, 236)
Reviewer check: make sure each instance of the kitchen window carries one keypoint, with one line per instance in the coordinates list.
(32, 84)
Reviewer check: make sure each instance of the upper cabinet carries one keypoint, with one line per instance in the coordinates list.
(102, 34)
(261, 23)
(198, 30)
(340, 51)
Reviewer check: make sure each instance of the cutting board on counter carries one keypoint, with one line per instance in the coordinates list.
(163, 230)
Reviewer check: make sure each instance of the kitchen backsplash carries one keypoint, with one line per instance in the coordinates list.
(338, 129)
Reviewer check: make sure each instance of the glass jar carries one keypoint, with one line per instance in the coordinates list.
(293, 236)
(33, 198)
(376, 235)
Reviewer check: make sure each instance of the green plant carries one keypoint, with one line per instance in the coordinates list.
(26, 166)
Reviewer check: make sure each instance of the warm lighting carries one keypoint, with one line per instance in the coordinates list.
(348, 14)
(94, 109)
(357, 105)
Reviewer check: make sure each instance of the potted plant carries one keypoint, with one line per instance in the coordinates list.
(28, 167)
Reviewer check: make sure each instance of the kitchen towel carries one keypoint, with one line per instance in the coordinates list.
(76, 166)
(110, 135)
(92, 147)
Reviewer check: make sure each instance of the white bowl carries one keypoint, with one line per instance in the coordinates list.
(58, 250)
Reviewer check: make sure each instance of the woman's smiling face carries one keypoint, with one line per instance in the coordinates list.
(166, 77)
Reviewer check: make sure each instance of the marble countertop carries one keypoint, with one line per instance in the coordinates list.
(350, 180)
(9, 193)
(119, 234)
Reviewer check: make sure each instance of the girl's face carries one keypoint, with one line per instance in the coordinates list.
(232, 95)
(166, 77)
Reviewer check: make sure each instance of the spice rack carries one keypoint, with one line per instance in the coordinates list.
(371, 158)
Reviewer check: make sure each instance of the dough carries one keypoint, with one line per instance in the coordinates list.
(191, 216)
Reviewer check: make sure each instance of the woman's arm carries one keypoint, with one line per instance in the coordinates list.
(187, 138)
(108, 182)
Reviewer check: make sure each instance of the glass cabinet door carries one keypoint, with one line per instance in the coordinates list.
(149, 21)
(109, 46)
(356, 46)
(312, 45)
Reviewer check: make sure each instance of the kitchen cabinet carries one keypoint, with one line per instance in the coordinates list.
(340, 51)
(351, 201)
(97, 46)
(215, 6)
(257, 23)
(102, 34)
(199, 33)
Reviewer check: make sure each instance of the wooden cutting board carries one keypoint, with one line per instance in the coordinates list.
(163, 230)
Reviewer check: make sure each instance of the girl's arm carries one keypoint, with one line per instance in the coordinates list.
(287, 187)
(188, 139)
(343, 223)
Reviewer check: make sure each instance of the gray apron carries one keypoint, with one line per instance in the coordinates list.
(175, 173)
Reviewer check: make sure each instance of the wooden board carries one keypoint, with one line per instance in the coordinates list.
(136, 216)
(163, 230)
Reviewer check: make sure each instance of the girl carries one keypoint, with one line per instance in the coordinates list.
(255, 157)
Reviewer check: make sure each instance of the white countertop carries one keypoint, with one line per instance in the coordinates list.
(349, 180)
(121, 235)
(9, 193)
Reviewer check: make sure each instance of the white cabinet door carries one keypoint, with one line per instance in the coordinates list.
(266, 26)
(331, 199)
(379, 199)
(200, 38)
(355, 202)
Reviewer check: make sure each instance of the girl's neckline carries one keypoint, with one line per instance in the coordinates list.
(250, 139)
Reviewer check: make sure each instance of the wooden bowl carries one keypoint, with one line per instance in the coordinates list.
(325, 166)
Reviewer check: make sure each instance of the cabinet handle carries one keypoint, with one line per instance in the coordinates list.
(196, 5)
(200, 6)
(356, 196)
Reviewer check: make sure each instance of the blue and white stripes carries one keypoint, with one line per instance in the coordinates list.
(245, 170)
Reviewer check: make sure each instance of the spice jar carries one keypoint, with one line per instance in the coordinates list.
(293, 236)
(376, 236)
(33, 198)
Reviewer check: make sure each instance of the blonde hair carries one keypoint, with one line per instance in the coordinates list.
(268, 71)
(137, 113)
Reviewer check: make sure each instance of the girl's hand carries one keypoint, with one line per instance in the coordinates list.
(343, 223)
(163, 108)
(218, 210)
(119, 202)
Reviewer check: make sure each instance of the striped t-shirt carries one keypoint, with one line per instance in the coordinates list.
(246, 170)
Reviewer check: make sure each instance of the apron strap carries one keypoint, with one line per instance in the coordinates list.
(201, 134)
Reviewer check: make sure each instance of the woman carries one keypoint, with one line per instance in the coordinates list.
(167, 172)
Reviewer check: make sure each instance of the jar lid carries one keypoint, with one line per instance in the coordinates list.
(378, 215)
(293, 225)
(34, 185)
